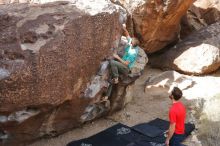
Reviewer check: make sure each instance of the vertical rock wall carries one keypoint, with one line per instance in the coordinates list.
(48, 55)
(156, 22)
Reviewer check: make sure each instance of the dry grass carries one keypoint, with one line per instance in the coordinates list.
(209, 133)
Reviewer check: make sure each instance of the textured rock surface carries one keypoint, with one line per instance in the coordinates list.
(121, 89)
(205, 89)
(117, 99)
(203, 13)
(156, 22)
(48, 55)
(197, 54)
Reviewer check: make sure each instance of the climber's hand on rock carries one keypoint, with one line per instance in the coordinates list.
(116, 56)
(124, 26)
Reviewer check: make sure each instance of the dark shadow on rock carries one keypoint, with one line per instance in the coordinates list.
(198, 18)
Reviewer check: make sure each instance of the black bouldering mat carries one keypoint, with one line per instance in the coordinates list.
(145, 134)
(148, 130)
(117, 135)
(81, 142)
(146, 143)
(124, 132)
(163, 125)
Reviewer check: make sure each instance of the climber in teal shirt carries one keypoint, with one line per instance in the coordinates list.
(124, 64)
(130, 53)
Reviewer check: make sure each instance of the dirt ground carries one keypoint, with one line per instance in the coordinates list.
(142, 108)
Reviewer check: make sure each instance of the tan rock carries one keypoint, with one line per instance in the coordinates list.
(203, 13)
(156, 22)
(197, 54)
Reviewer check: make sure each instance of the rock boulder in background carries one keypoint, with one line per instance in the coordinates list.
(156, 22)
(203, 13)
(197, 54)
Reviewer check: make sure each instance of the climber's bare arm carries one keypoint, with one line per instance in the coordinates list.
(126, 31)
(121, 60)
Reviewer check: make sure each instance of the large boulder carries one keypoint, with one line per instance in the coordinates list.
(197, 54)
(48, 55)
(156, 22)
(203, 13)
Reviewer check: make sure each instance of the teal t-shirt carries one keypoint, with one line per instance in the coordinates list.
(130, 54)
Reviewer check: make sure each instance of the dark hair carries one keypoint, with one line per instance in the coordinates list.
(135, 42)
(177, 93)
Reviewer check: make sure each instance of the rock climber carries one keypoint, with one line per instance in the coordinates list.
(123, 65)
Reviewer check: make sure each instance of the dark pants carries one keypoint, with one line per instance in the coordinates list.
(176, 139)
(109, 90)
(118, 67)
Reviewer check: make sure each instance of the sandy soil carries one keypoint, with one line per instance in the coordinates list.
(142, 108)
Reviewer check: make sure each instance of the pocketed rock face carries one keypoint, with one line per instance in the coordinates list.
(156, 22)
(48, 54)
(197, 54)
